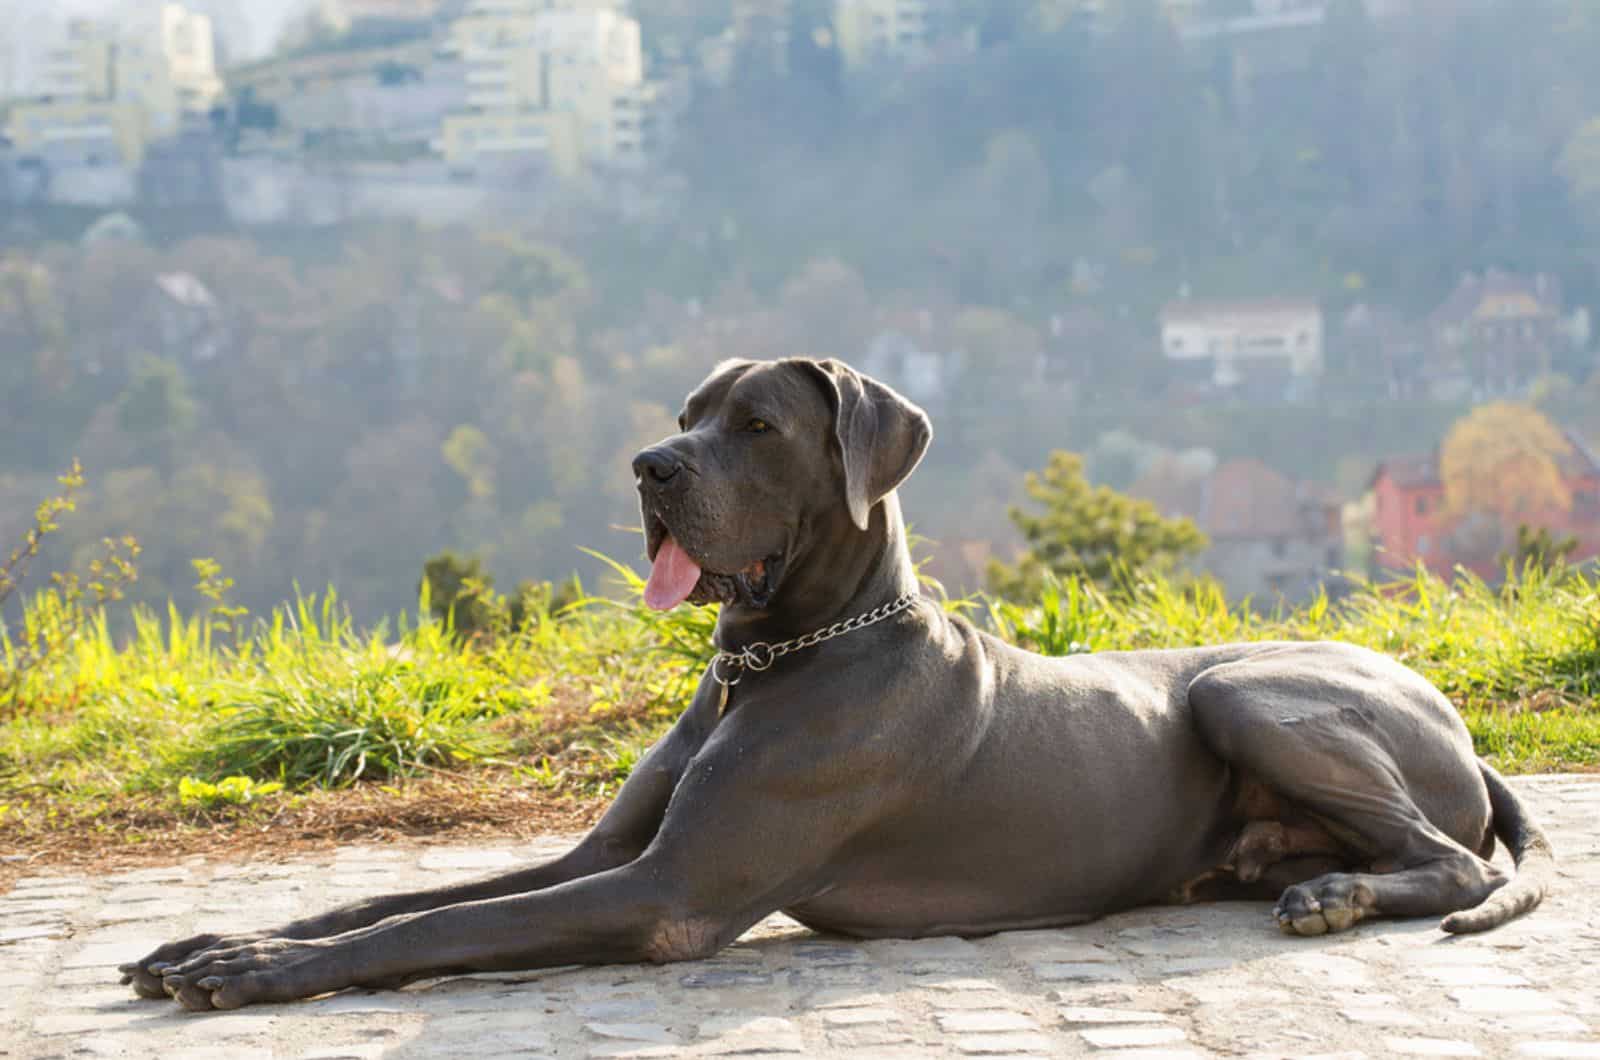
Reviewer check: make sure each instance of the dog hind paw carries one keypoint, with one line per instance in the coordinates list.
(1327, 904)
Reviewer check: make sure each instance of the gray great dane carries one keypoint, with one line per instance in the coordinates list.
(874, 767)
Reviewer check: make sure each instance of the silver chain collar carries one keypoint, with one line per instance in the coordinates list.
(729, 667)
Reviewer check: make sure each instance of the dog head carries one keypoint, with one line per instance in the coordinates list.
(771, 458)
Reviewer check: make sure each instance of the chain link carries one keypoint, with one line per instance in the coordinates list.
(728, 667)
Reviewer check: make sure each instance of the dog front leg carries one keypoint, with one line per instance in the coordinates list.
(627, 914)
(622, 834)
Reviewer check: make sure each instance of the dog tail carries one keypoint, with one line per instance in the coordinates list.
(1530, 849)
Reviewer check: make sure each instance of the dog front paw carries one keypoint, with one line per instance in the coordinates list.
(145, 974)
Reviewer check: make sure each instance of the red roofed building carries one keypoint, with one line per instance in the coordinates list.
(1411, 522)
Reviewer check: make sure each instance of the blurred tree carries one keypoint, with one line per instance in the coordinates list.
(461, 593)
(1579, 166)
(828, 304)
(157, 409)
(1538, 548)
(471, 455)
(1090, 532)
(1345, 119)
(998, 352)
(1503, 459)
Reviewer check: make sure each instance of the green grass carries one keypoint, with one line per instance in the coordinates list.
(169, 714)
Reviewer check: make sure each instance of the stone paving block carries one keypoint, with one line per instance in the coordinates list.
(1111, 1015)
(1172, 944)
(487, 1032)
(718, 977)
(632, 1051)
(870, 1037)
(1430, 1047)
(1524, 1023)
(8, 936)
(941, 948)
(1473, 975)
(23, 905)
(1380, 1016)
(1567, 1050)
(1331, 969)
(1076, 971)
(979, 1000)
(140, 911)
(362, 1003)
(963, 985)
(76, 1021)
(1058, 951)
(826, 953)
(1118, 1037)
(1195, 965)
(624, 1010)
(169, 874)
(737, 1035)
(843, 998)
(968, 1022)
(632, 1032)
(477, 858)
(1019, 1044)
(1502, 999)
(849, 1017)
(108, 955)
(58, 886)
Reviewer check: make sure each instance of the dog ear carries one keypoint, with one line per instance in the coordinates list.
(881, 435)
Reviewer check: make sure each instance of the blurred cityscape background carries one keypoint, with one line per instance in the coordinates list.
(323, 290)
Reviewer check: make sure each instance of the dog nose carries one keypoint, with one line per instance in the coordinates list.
(656, 464)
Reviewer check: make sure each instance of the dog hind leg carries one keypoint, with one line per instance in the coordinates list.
(1326, 742)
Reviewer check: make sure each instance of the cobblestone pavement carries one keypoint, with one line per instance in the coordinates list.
(1173, 982)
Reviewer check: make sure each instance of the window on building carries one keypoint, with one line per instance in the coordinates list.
(1423, 544)
(1422, 506)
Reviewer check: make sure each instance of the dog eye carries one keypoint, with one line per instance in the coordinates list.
(758, 426)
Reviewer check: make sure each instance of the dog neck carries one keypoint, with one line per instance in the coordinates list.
(842, 571)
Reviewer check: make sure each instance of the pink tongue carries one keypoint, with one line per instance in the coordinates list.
(672, 578)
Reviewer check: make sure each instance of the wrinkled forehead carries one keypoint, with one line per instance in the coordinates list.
(773, 390)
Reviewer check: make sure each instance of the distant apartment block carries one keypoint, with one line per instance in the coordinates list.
(1267, 348)
(391, 96)
(872, 31)
(377, 16)
(104, 91)
(562, 82)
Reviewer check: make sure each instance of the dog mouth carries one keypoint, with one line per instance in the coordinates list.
(675, 576)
